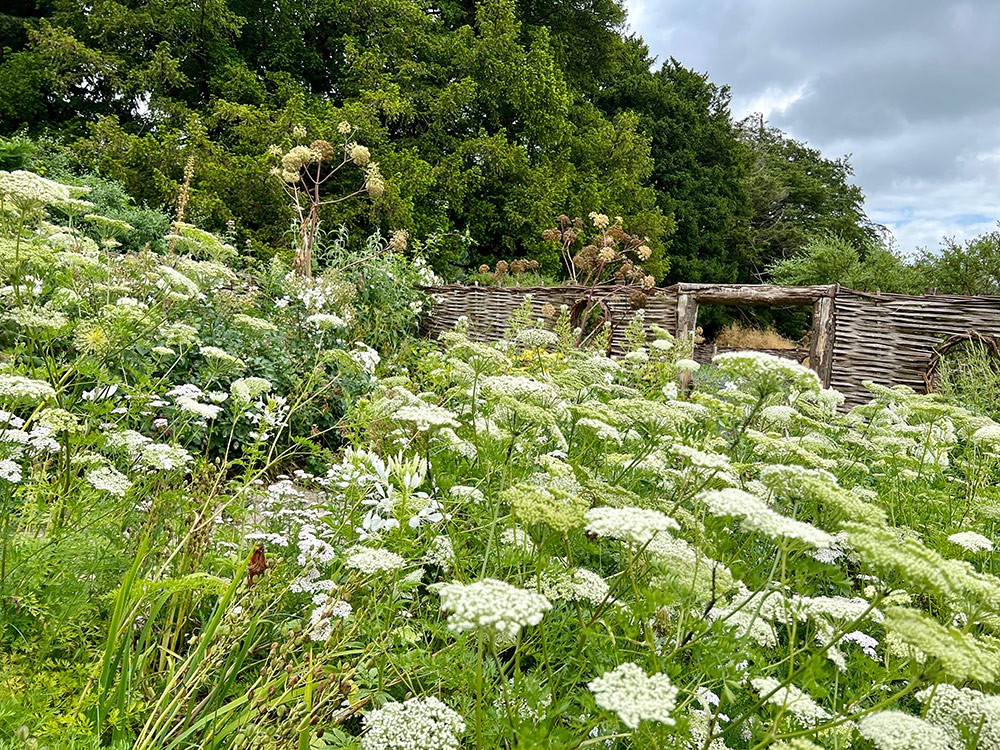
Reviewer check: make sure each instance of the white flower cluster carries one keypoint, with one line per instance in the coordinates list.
(760, 366)
(895, 730)
(964, 712)
(971, 541)
(20, 186)
(372, 559)
(756, 515)
(602, 430)
(327, 610)
(517, 539)
(221, 355)
(701, 459)
(260, 325)
(10, 471)
(635, 525)
(635, 696)
(576, 585)
(426, 417)
(441, 552)
(108, 480)
(493, 605)
(416, 724)
(520, 387)
(365, 356)
(246, 390)
(20, 387)
(536, 338)
(790, 698)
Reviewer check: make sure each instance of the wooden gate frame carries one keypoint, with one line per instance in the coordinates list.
(821, 298)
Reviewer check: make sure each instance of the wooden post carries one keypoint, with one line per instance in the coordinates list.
(824, 330)
(687, 317)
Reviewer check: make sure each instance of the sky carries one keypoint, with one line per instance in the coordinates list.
(908, 89)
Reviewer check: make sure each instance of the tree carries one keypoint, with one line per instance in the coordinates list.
(970, 268)
(796, 193)
(833, 260)
(699, 163)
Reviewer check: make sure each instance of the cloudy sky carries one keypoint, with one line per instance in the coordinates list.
(910, 89)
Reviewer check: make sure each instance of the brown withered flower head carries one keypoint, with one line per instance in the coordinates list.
(533, 265)
(637, 299)
(549, 310)
(552, 235)
(563, 219)
(484, 268)
(502, 267)
(586, 259)
(324, 149)
(518, 266)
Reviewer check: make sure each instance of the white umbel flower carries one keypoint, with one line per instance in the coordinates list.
(417, 724)
(971, 541)
(493, 605)
(20, 387)
(791, 699)
(108, 480)
(372, 559)
(635, 525)
(756, 515)
(895, 730)
(634, 696)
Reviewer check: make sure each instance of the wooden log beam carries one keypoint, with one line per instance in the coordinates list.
(756, 294)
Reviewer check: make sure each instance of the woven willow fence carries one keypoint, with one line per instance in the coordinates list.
(889, 339)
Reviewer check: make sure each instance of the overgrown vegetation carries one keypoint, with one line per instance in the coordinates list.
(228, 521)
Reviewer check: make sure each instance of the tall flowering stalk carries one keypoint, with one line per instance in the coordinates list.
(305, 170)
(607, 260)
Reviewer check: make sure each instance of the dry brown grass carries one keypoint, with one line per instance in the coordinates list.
(736, 336)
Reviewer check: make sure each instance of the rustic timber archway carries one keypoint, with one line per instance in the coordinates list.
(820, 298)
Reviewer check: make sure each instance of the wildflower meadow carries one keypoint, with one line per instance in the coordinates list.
(247, 506)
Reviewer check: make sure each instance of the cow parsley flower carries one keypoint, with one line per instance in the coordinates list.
(791, 699)
(10, 471)
(865, 642)
(554, 507)
(635, 525)
(259, 325)
(246, 390)
(441, 552)
(756, 515)
(426, 417)
(20, 387)
(321, 620)
(895, 730)
(964, 712)
(221, 355)
(372, 559)
(416, 724)
(207, 411)
(575, 585)
(493, 605)
(163, 457)
(971, 541)
(108, 480)
(634, 695)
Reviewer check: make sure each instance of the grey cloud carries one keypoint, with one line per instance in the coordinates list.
(909, 88)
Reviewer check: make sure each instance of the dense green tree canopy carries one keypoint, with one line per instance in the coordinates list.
(488, 118)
